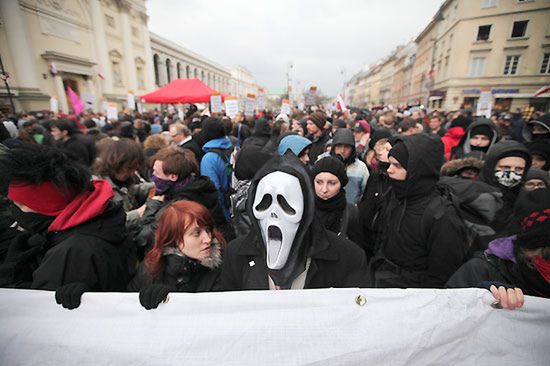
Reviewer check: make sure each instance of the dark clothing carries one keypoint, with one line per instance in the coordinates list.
(180, 274)
(341, 264)
(195, 149)
(464, 148)
(75, 149)
(261, 134)
(422, 240)
(318, 146)
(89, 143)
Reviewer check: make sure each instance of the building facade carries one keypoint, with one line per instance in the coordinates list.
(502, 46)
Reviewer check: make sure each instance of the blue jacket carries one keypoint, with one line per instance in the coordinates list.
(213, 166)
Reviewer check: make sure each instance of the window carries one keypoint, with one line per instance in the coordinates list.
(483, 32)
(140, 77)
(178, 68)
(545, 66)
(187, 72)
(477, 66)
(511, 65)
(168, 69)
(519, 29)
(117, 73)
(488, 3)
(156, 62)
(110, 21)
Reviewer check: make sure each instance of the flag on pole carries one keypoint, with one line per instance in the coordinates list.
(100, 75)
(543, 90)
(341, 104)
(78, 105)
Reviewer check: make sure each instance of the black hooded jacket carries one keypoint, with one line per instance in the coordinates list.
(334, 261)
(504, 219)
(200, 190)
(464, 148)
(261, 134)
(422, 241)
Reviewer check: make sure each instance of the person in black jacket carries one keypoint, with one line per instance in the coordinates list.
(74, 238)
(186, 257)
(318, 134)
(65, 135)
(478, 137)
(422, 240)
(334, 212)
(521, 260)
(176, 177)
(288, 248)
(506, 167)
(260, 135)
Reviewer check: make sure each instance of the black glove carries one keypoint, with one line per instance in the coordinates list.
(23, 249)
(69, 295)
(151, 296)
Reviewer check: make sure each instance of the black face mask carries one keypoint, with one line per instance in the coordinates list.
(479, 148)
(31, 221)
(383, 166)
(399, 188)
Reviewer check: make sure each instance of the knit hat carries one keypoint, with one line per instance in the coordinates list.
(361, 126)
(533, 210)
(460, 121)
(212, 128)
(535, 173)
(332, 165)
(400, 153)
(196, 123)
(319, 119)
(343, 136)
(295, 143)
(339, 123)
(541, 148)
(379, 134)
(484, 130)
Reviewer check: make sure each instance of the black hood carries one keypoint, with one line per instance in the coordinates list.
(344, 136)
(425, 160)
(465, 140)
(297, 257)
(250, 159)
(498, 151)
(262, 128)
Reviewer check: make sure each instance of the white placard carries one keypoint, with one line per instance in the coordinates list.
(293, 327)
(104, 107)
(484, 104)
(54, 104)
(260, 102)
(89, 100)
(112, 111)
(231, 107)
(216, 103)
(249, 106)
(180, 113)
(131, 101)
(285, 107)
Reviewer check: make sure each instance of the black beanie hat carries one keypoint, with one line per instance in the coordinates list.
(541, 148)
(319, 119)
(333, 165)
(399, 152)
(250, 159)
(533, 211)
(212, 128)
(484, 130)
(460, 121)
(379, 134)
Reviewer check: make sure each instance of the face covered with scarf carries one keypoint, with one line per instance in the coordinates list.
(509, 171)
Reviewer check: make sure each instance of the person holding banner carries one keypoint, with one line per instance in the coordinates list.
(186, 257)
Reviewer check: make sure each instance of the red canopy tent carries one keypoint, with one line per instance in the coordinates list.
(181, 91)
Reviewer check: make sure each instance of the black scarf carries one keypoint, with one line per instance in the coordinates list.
(330, 211)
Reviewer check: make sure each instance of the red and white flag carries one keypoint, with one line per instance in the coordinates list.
(341, 104)
(543, 90)
(53, 68)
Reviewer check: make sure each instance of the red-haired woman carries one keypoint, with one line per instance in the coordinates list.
(186, 257)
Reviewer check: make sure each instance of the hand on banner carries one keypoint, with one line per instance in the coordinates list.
(507, 296)
(69, 295)
(151, 296)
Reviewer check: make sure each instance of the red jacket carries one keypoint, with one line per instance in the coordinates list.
(451, 139)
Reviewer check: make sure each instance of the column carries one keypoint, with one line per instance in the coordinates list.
(128, 46)
(102, 52)
(61, 96)
(19, 44)
(149, 67)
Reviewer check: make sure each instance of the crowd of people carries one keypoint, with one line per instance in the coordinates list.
(160, 202)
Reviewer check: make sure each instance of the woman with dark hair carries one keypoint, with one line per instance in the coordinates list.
(117, 163)
(186, 257)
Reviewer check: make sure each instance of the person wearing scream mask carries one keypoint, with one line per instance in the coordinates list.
(288, 247)
(421, 240)
(479, 137)
(521, 260)
(74, 238)
(176, 177)
(186, 257)
(505, 168)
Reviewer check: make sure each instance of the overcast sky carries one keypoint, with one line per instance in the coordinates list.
(319, 37)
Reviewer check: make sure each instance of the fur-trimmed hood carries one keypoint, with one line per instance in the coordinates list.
(453, 167)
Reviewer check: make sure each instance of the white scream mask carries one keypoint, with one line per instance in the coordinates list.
(278, 207)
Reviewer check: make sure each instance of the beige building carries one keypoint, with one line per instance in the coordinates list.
(502, 46)
(98, 48)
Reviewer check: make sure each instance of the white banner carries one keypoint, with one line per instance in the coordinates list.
(54, 104)
(484, 104)
(231, 107)
(307, 327)
(216, 103)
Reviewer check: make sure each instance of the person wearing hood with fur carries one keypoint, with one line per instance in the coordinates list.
(176, 177)
(186, 257)
(479, 137)
(343, 145)
(288, 248)
(73, 235)
(505, 168)
(467, 167)
(213, 164)
(422, 240)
